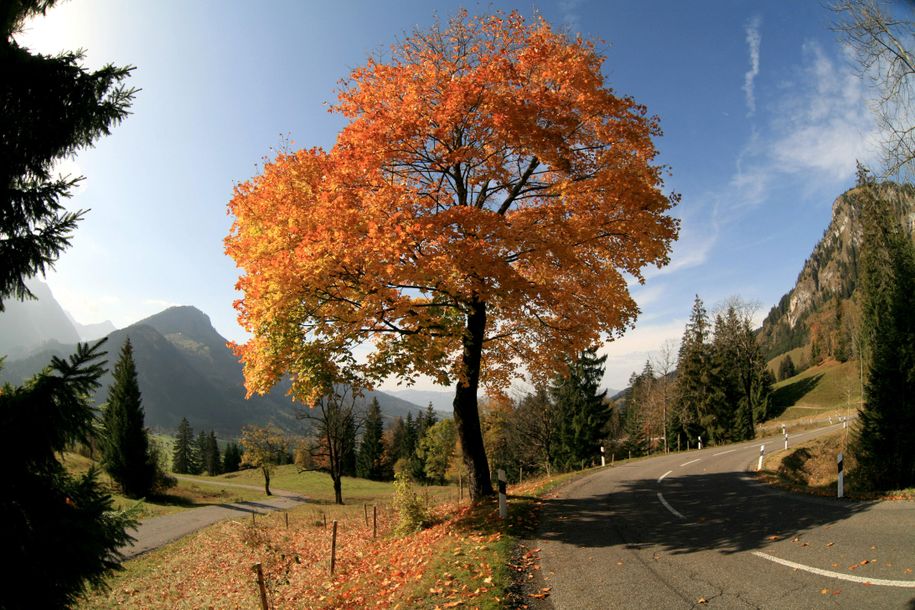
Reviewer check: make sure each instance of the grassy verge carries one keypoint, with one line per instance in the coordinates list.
(468, 558)
(810, 468)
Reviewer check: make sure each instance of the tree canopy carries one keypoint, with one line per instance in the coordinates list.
(481, 207)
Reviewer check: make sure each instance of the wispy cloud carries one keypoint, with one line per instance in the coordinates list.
(754, 38)
(820, 125)
(570, 17)
(826, 124)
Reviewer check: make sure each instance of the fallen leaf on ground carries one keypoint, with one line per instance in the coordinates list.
(701, 600)
(773, 537)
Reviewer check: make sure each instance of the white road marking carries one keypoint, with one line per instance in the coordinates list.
(690, 462)
(907, 584)
(669, 507)
(661, 478)
(723, 452)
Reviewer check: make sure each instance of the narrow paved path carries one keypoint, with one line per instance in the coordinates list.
(157, 531)
(697, 530)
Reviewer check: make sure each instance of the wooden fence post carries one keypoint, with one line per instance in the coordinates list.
(260, 584)
(333, 549)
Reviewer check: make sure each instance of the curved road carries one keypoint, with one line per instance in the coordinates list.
(695, 529)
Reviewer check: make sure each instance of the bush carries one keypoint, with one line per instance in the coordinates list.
(412, 513)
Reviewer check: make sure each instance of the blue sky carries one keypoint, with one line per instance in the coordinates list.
(762, 111)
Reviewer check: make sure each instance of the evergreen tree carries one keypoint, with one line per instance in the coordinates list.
(883, 448)
(213, 462)
(183, 451)
(200, 453)
(370, 462)
(786, 368)
(60, 532)
(125, 447)
(583, 413)
(231, 460)
(51, 107)
(691, 412)
(637, 407)
(349, 446)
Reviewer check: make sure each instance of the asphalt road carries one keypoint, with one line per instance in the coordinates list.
(696, 529)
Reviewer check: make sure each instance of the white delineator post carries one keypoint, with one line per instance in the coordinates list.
(762, 452)
(503, 508)
(700, 442)
(603, 456)
(840, 464)
(786, 440)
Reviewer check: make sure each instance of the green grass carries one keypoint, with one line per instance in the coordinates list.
(318, 485)
(821, 388)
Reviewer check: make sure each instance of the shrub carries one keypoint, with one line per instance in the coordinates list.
(412, 513)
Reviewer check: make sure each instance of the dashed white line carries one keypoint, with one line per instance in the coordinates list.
(907, 584)
(723, 452)
(690, 462)
(669, 507)
(661, 478)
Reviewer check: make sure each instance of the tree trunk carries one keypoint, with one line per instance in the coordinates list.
(338, 488)
(466, 409)
(267, 481)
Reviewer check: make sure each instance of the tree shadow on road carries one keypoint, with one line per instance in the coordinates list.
(724, 512)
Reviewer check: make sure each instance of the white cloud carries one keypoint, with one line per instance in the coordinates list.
(754, 38)
(628, 354)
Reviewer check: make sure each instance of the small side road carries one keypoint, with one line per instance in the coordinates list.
(158, 531)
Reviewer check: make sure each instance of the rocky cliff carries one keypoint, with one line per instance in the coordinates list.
(829, 277)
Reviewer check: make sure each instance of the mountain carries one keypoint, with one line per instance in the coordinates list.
(185, 370)
(817, 313)
(441, 400)
(28, 325)
(92, 332)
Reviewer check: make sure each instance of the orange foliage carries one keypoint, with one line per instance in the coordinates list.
(483, 162)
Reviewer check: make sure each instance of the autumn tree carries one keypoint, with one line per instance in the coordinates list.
(262, 448)
(484, 205)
